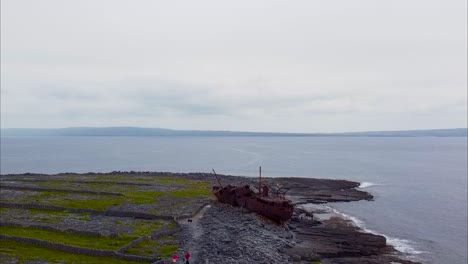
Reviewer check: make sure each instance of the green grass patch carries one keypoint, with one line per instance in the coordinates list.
(163, 247)
(53, 184)
(85, 217)
(99, 184)
(171, 224)
(97, 242)
(28, 252)
(172, 180)
(48, 218)
(178, 180)
(91, 203)
(168, 250)
(191, 192)
(43, 195)
(142, 197)
(39, 215)
(141, 227)
(47, 211)
(73, 200)
(121, 177)
(185, 188)
(145, 248)
(82, 185)
(194, 188)
(54, 216)
(104, 186)
(145, 229)
(142, 179)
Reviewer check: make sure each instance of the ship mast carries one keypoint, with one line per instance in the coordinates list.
(260, 181)
(217, 178)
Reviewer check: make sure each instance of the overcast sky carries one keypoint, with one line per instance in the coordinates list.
(291, 66)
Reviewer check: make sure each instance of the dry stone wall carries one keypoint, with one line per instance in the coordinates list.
(50, 228)
(58, 190)
(82, 210)
(78, 250)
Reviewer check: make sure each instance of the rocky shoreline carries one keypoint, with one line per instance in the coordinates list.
(218, 233)
(229, 234)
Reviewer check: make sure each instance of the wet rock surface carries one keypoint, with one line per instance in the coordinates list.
(228, 234)
(338, 241)
(234, 235)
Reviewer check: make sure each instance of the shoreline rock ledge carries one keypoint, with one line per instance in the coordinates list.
(219, 233)
(225, 234)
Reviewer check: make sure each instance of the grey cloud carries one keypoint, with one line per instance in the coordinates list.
(219, 65)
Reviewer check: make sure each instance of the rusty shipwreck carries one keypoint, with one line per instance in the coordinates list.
(274, 206)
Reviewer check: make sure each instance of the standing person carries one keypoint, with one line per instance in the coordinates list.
(187, 256)
(174, 258)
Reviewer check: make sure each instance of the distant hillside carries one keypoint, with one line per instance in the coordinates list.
(151, 132)
(133, 131)
(453, 132)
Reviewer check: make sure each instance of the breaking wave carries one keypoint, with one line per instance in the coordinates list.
(401, 245)
(367, 184)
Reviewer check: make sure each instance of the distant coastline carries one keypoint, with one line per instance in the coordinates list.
(157, 132)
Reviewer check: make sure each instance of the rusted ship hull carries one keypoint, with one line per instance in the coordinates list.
(278, 209)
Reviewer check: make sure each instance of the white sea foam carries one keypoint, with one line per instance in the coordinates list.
(367, 184)
(401, 245)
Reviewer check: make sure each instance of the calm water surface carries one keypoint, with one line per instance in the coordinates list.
(420, 184)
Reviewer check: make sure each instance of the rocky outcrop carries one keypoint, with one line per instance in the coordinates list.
(228, 234)
(234, 235)
(333, 238)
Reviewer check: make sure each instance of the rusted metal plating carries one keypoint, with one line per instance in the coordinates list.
(277, 208)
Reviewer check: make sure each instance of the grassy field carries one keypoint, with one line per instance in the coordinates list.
(22, 252)
(163, 246)
(141, 193)
(95, 242)
(132, 194)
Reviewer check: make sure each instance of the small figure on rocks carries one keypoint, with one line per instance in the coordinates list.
(187, 256)
(174, 258)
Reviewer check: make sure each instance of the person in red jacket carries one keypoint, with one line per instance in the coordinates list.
(187, 256)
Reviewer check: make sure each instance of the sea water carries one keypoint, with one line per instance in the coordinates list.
(419, 184)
